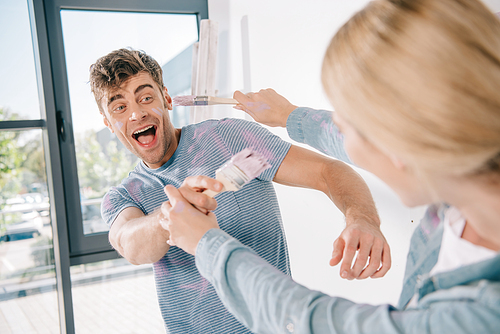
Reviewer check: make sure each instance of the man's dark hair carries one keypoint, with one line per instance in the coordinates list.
(112, 70)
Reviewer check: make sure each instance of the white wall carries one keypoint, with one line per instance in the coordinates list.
(287, 40)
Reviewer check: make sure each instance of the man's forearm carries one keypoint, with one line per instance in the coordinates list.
(347, 189)
(139, 239)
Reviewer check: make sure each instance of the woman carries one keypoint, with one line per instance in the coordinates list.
(416, 89)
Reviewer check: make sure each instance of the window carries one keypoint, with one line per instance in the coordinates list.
(27, 264)
(51, 235)
(92, 158)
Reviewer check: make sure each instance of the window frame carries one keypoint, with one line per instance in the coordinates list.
(94, 247)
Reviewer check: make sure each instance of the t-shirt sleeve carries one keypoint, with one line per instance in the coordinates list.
(239, 134)
(115, 201)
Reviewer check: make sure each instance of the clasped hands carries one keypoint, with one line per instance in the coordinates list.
(188, 215)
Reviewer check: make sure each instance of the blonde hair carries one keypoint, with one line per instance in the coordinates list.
(421, 78)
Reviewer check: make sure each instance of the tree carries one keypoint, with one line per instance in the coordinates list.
(10, 159)
(100, 167)
(21, 164)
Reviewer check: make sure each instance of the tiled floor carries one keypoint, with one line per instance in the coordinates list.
(124, 305)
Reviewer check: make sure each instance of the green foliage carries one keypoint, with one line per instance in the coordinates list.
(97, 170)
(21, 163)
(10, 157)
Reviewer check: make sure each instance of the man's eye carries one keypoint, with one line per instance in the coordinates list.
(119, 109)
(147, 99)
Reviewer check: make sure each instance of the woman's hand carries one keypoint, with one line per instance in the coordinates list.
(266, 106)
(185, 223)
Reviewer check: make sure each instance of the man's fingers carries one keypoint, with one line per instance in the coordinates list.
(201, 201)
(201, 183)
(165, 207)
(375, 259)
(175, 197)
(192, 189)
(349, 254)
(361, 260)
(338, 250)
(386, 263)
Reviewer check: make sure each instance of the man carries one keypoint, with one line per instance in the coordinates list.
(129, 91)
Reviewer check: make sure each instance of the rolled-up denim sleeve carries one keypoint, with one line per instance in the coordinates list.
(267, 301)
(317, 129)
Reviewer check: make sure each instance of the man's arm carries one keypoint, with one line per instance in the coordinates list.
(348, 191)
(139, 238)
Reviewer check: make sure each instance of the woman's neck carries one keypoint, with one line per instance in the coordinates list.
(479, 203)
(470, 235)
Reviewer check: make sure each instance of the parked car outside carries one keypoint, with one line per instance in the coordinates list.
(27, 225)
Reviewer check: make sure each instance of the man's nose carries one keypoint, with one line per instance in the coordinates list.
(137, 113)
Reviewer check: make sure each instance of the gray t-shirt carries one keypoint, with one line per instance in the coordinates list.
(187, 301)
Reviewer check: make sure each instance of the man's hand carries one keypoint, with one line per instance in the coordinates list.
(266, 106)
(185, 223)
(192, 190)
(373, 254)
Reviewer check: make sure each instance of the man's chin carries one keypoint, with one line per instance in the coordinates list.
(151, 161)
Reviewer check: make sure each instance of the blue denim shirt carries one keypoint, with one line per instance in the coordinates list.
(465, 300)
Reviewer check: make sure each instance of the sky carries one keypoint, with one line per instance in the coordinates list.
(18, 89)
(87, 36)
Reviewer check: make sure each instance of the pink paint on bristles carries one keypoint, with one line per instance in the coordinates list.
(240, 170)
(186, 100)
(250, 162)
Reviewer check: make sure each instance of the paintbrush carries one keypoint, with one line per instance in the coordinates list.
(193, 100)
(242, 168)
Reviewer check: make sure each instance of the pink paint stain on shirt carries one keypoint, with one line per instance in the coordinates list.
(258, 145)
(135, 190)
(108, 206)
(200, 286)
(316, 117)
(199, 159)
(213, 137)
(200, 130)
(325, 126)
(161, 270)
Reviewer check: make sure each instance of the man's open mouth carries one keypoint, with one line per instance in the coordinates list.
(145, 135)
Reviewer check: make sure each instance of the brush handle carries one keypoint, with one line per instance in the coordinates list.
(211, 193)
(227, 185)
(211, 100)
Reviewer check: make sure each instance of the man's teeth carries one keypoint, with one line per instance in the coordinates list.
(142, 130)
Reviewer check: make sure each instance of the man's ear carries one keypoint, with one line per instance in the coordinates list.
(106, 122)
(168, 99)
